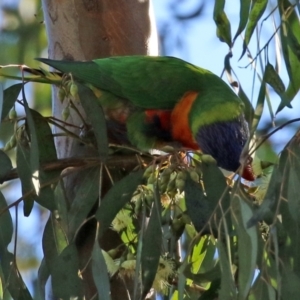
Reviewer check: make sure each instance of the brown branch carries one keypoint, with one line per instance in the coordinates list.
(115, 161)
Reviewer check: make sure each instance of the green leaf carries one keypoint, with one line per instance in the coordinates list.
(249, 110)
(200, 205)
(24, 173)
(216, 188)
(197, 204)
(258, 7)
(222, 22)
(151, 247)
(6, 225)
(47, 153)
(96, 116)
(228, 288)
(116, 198)
(86, 196)
(273, 79)
(262, 290)
(266, 210)
(66, 283)
(290, 284)
(13, 279)
(62, 206)
(5, 164)
(290, 42)
(244, 14)
(247, 242)
(100, 273)
(34, 146)
(54, 240)
(1, 98)
(259, 106)
(289, 204)
(9, 98)
(43, 275)
(44, 136)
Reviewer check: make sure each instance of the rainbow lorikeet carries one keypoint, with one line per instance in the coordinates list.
(165, 99)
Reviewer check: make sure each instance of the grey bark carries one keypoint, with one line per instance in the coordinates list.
(85, 30)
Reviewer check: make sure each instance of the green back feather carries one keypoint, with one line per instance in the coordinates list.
(148, 81)
(152, 82)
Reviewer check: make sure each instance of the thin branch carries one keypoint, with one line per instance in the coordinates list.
(120, 161)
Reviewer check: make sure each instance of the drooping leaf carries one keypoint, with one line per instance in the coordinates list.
(273, 79)
(100, 273)
(151, 247)
(244, 14)
(62, 206)
(290, 203)
(47, 153)
(1, 98)
(24, 173)
(249, 110)
(10, 96)
(290, 284)
(262, 290)
(202, 202)
(6, 225)
(116, 198)
(5, 164)
(43, 275)
(266, 210)
(85, 198)
(197, 204)
(66, 283)
(96, 116)
(217, 194)
(259, 106)
(290, 42)
(247, 242)
(54, 240)
(34, 145)
(13, 279)
(258, 7)
(222, 22)
(228, 288)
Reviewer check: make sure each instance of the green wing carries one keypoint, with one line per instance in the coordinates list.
(146, 81)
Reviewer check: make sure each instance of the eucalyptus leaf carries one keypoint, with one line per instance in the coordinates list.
(290, 42)
(100, 273)
(222, 22)
(1, 98)
(96, 116)
(54, 240)
(10, 96)
(116, 198)
(66, 283)
(151, 247)
(24, 173)
(244, 14)
(247, 242)
(6, 225)
(5, 164)
(257, 10)
(13, 279)
(86, 196)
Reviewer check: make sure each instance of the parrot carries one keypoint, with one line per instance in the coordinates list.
(161, 100)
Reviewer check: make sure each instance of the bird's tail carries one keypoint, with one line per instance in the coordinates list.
(32, 75)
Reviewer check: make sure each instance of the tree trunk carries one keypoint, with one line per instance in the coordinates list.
(85, 30)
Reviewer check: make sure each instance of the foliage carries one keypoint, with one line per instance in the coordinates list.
(187, 231)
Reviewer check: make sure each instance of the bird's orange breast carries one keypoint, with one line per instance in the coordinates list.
(180, 126)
